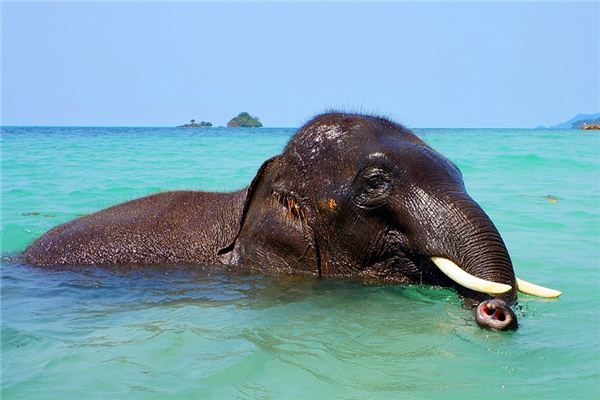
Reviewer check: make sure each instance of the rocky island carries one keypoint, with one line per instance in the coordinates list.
(244, 120)
(193, 124)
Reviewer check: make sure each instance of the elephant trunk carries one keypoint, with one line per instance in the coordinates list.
(469, 245)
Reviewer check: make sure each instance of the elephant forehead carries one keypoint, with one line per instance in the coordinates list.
(332, 148)
(322, 144)
(318, 140)
(326, 132)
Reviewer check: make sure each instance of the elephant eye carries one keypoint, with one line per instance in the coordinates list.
(377, 181)
(374, 184)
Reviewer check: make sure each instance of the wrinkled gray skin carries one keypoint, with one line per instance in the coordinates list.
(351, 195)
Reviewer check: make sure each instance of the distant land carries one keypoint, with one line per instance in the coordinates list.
(244, 120)
(576, 122)
(193, 124)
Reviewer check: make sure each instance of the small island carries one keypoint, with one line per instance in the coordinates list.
(193, 124)
(244, 120)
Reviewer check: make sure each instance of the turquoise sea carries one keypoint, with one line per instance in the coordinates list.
(206, 333)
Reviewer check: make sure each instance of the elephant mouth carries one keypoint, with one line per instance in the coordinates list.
(441, 271)
(491, 301)
(464, 279)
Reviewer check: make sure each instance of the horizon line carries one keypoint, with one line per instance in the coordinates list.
(262, 127)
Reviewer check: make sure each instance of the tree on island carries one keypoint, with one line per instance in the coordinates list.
(244, 120)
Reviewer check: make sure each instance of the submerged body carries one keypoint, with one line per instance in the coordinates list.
(350, 195)
(182, 227)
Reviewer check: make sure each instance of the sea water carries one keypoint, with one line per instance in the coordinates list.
(213, 334)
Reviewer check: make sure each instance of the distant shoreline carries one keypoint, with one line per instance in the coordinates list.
(272, 127)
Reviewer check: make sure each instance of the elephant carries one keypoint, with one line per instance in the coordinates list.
(351, 195)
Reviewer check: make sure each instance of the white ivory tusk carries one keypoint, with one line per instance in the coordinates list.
(467, 280)
(536, 290)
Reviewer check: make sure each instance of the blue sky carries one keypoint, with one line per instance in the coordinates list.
(423, 64)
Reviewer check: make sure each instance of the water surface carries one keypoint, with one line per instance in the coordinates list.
(212, 333)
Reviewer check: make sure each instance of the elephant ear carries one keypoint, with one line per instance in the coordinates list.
(274, 232)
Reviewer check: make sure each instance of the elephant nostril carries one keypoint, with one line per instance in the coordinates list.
(500, 315)
(488, 311)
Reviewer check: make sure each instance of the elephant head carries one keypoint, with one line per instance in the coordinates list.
(361, 196)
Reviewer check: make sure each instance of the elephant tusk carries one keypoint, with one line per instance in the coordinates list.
(536, 290)
(467, 280)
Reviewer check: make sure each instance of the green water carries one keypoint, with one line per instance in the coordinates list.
(206, 333)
